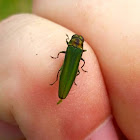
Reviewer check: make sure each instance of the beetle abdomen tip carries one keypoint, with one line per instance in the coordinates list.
(59, 101)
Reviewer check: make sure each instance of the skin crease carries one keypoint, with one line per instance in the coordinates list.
(112, 30)
(26, 71)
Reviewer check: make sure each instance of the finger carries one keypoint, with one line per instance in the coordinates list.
(112, 30)
(27, 65)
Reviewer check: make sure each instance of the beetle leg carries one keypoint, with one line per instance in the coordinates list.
(83, 65)
(75, 83)
(58, 54)
(67, 39)
(77, 75)
(57, 76)
(84, 50)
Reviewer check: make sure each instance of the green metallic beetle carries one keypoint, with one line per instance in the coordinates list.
(69, 69)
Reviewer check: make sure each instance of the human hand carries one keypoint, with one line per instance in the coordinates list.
(26, 70)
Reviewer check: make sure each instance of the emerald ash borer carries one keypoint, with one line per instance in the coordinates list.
(69, 70)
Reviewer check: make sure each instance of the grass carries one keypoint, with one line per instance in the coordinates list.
(11, 7)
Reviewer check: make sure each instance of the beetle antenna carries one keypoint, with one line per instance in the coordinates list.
(67, 39)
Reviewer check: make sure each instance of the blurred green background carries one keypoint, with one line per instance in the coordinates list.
(11, 7)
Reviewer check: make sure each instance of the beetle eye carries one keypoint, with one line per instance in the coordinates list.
(75, 36)
(81, 38)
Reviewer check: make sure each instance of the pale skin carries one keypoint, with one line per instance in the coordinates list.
(112, 31)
